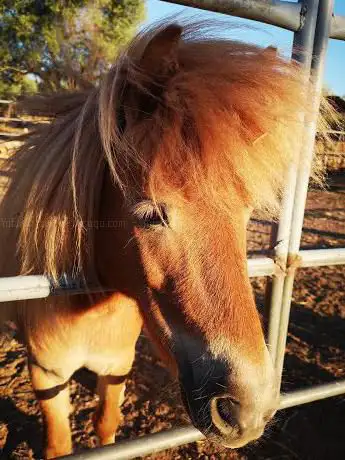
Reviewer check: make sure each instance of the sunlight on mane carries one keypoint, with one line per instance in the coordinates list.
(228, 122)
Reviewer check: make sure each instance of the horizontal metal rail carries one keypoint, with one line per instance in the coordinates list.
(153, 443)
(284, 14)
(38, 286)
(24, 287)
(338, 28)
(262, 266)
(315, 393)
(322, 257)
(144, 445)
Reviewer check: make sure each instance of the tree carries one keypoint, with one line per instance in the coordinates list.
(62, 44)
(26, 85)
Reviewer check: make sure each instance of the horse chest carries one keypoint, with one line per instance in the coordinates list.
(110, 342)
(102, 340)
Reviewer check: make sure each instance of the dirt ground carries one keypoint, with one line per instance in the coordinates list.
(315, 354)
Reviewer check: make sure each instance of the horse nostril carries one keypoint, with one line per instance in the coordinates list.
(227, 409)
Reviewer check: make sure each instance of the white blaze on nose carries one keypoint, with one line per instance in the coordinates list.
(252, 377)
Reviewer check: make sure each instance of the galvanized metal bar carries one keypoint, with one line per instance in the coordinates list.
(283, 14)
(302, 52)
(144, 445)
(262, 266)
(275, 286)
(338, 28)
(319, 50)
(24, 287)
(321, 257)
(315, 393)
(38, 286)
(318, 64)
(154, 443)
(305, 258)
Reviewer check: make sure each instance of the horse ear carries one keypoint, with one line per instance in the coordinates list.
(271, 51)
(160, 58)
(159, 62)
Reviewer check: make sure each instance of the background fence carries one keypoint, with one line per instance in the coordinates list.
(313, 23)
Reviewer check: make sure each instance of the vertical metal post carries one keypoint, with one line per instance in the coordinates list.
(319, 50)
(302, 52)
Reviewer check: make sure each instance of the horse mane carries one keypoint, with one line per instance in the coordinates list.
(227, 121)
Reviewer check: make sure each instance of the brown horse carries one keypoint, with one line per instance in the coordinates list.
(144, 186)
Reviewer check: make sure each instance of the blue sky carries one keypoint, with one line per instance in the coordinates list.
(266, 35)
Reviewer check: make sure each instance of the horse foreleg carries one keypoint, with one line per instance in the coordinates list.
(53, 396)
(108, 414)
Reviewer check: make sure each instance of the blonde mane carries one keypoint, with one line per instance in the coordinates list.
(226, 122)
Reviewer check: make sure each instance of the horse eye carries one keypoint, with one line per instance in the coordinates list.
(148, 214)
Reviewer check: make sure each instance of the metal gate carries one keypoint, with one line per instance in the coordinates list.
(313, 23)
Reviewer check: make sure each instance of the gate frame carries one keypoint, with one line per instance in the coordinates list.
(313, 23)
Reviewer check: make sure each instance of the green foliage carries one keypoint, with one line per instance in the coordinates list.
(65, 44)
(24, 86)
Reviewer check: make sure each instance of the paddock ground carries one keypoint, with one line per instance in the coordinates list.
(315, 354)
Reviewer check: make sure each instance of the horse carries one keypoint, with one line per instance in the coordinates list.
(143, 187)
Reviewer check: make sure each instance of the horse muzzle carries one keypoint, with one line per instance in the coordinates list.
(232, 423)
(236, 424)
(232, 409)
